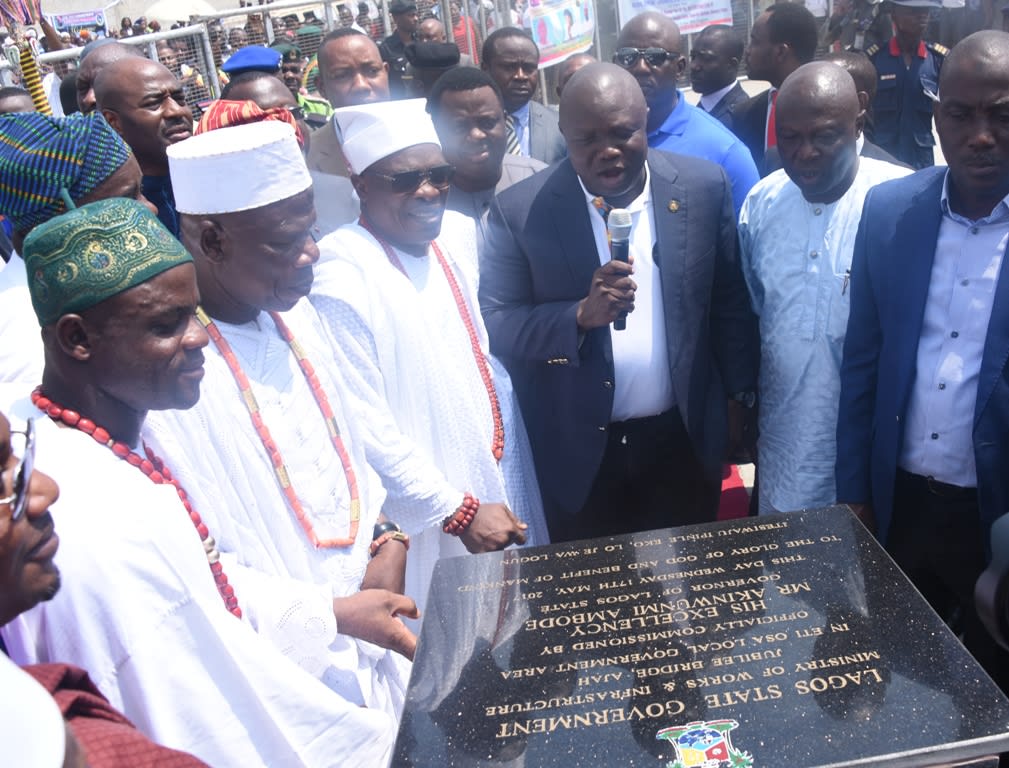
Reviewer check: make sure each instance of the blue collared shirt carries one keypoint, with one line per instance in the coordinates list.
(692, 131)
(521, 116)
(796, 257)
(939, 428)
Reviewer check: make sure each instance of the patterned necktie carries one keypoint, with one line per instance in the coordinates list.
(772, 134)
(512, 145)
(603, 208)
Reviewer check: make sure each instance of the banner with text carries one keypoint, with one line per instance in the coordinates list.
(561, 28)
(691, 15)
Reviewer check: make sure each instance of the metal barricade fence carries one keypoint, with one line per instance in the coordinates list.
(187, 52)
(295, 21)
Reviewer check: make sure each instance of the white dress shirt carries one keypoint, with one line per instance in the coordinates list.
(642, 383)
(709, 101)
(938, 431)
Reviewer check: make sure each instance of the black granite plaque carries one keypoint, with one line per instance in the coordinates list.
(785, 641)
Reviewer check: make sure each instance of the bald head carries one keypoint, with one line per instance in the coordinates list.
(819, 117)
(603, 118)
(431, 31)
(972, 120)
(569, 67)
(146, 105)
(818, 86)
(979, 53)
(861, 69)
(597, 87)
(654, 25)
(93, 63)
(656, 73)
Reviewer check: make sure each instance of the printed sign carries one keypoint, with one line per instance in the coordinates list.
(561, 28)
(691, 15)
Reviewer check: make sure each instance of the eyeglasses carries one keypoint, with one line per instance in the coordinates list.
(296, 112)
(22, 472)
(654, 57)
(438, 177)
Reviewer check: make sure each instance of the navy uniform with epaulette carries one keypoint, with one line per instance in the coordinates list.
(902, 111)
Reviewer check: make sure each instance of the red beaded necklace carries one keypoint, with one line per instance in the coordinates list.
(156, 471)
(279, 468)
(497, 446)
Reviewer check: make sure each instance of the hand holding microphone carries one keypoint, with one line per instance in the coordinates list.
(619, 224)
(611, 295)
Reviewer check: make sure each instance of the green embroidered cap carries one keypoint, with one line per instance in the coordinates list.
(80, 258)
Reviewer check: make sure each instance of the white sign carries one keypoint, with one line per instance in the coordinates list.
(690, 15)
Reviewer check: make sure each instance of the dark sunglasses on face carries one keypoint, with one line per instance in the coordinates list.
(21, 474)
(438, 177)
(296, 112)
(654, 57)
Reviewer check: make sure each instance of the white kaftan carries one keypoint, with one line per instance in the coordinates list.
(139, 610)
(237, 494)
(796, 257)
(406, 361)
(21, 354)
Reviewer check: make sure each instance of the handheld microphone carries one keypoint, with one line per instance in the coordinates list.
(619, 223)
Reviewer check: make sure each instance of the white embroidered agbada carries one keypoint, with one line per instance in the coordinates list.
(406, 363)
(237, 493)
(139, 610)
(21, 354)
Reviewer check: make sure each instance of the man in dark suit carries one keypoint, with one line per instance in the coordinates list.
(783, 38)
(628, 428)
(714, 70)
(511, 57)
(923, 425)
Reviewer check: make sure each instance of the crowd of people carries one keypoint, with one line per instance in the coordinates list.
(258, 374)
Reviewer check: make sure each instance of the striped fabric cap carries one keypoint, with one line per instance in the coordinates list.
(224, 113)
(39, 155)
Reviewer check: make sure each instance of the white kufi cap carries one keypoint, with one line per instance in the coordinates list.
(237, 169)
(370, 132)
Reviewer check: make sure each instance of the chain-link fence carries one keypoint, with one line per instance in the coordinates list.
(186, 52)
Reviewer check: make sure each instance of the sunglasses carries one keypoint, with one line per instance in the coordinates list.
(654, 57)
(298, 113)
(22, 472)
(438, 177)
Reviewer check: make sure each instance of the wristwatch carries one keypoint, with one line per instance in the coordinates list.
(747, 398)
(387, 527)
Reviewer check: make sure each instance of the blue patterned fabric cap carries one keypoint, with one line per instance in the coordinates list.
(39, 155)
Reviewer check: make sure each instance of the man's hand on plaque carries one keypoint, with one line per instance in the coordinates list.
(494, 527)
(373, 615)
(611, 293)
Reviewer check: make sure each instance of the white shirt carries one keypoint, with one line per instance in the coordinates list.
(228, 472)
(938, 430)
(796, 257)
(642, 385)
(21, 353)
(139, 610)
(771, 100)
(31, 726)
(709, 100)
(407, 369)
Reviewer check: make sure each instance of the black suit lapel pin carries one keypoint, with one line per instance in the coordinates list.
(674, 206)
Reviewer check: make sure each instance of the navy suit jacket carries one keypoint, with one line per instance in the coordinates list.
(749, 123)
(538, 266)
(723, 109)
(890, 274)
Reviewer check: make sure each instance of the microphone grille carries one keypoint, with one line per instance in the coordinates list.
(619, 222)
